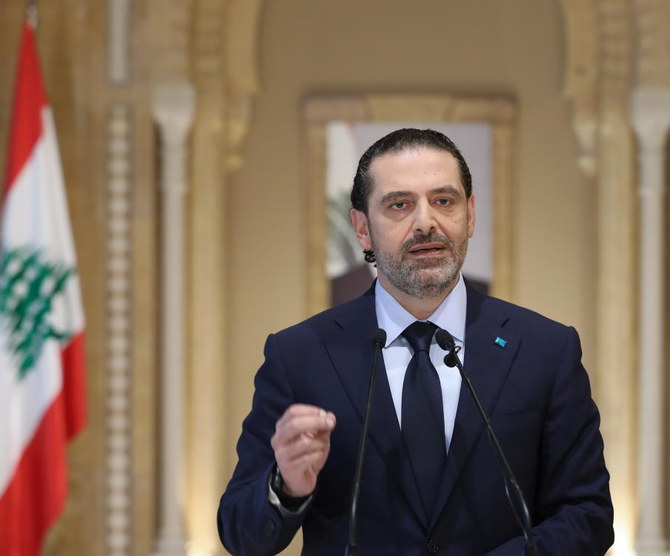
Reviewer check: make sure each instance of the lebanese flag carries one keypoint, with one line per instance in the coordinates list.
(42, 388)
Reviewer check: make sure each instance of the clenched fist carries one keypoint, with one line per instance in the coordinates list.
(301, 443)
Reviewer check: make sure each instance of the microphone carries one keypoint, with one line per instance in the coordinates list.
(378, 341)
(519, 508)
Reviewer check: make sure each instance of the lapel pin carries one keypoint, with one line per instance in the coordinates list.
(500, 342)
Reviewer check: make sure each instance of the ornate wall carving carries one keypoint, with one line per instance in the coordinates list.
(118, 42)
(581, 76)
(119, 464)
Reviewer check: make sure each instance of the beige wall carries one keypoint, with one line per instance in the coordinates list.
(303, 47)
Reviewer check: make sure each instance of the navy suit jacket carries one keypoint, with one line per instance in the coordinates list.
(535, 390)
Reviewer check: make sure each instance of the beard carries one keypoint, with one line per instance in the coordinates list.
(422, 278)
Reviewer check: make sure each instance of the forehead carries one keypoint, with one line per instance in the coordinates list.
(415, 167)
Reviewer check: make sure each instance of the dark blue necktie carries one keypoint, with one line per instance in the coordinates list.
(422, 414)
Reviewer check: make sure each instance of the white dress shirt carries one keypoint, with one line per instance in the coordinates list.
(393, 318)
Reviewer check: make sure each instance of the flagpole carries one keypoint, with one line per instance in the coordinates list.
(32, 14)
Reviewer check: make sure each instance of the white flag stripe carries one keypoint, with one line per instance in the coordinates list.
(35, 213)
(47, 228)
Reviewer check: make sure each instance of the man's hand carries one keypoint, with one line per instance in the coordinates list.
(301, 443)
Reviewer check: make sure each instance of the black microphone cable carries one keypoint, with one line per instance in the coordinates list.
(378, 341)
(518, 504)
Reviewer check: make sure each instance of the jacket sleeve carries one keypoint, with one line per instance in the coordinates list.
(573, 509)
(248, 524)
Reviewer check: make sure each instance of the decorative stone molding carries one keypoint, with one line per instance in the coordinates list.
(616, 48)
(581, 76)
(599, 54)
(650, 115)
(118, 42)
(170, 39)
(225, 68)
(613, 46)
(119, 332)
(652, 19)
(225, 74)
(173, 108)
(242, 74)
(599, 76)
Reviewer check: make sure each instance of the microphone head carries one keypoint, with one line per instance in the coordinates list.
(447, 343)
(379, 338)
(444, 339)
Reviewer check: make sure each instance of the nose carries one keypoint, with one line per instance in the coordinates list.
(424, 218)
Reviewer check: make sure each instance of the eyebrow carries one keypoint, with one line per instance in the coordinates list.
(393, 195)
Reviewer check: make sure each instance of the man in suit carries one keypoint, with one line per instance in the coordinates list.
(432, 482)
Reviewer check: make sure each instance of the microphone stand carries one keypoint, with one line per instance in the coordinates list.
(518, 505)
(378, 341)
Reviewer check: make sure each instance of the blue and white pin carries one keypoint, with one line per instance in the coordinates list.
(500, 342)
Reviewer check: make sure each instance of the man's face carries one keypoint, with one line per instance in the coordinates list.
(419, 221)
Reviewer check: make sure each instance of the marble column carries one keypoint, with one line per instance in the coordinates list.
(173, 106)
(651, 121)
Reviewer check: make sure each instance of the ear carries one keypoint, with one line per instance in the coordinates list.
(471, 215)
(360, 223)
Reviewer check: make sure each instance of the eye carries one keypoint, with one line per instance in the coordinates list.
(399, 205)
(443, 202)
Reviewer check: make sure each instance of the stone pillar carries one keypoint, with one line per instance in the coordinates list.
(651, 119)
(173, 106)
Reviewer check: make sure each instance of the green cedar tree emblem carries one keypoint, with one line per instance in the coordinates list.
(29, 283)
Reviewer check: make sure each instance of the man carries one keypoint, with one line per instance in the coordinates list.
(413, 211)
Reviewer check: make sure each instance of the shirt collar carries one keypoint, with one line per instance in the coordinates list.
(450, 314)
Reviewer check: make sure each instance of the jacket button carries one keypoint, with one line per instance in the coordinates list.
(432, 547)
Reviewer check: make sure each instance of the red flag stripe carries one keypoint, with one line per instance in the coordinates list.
(36, 494)
(74, 385)
(29, 98)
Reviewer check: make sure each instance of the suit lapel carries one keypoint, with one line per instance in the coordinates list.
(352, 355)
(489, 354)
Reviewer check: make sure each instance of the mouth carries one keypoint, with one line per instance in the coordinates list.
(426, 249)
